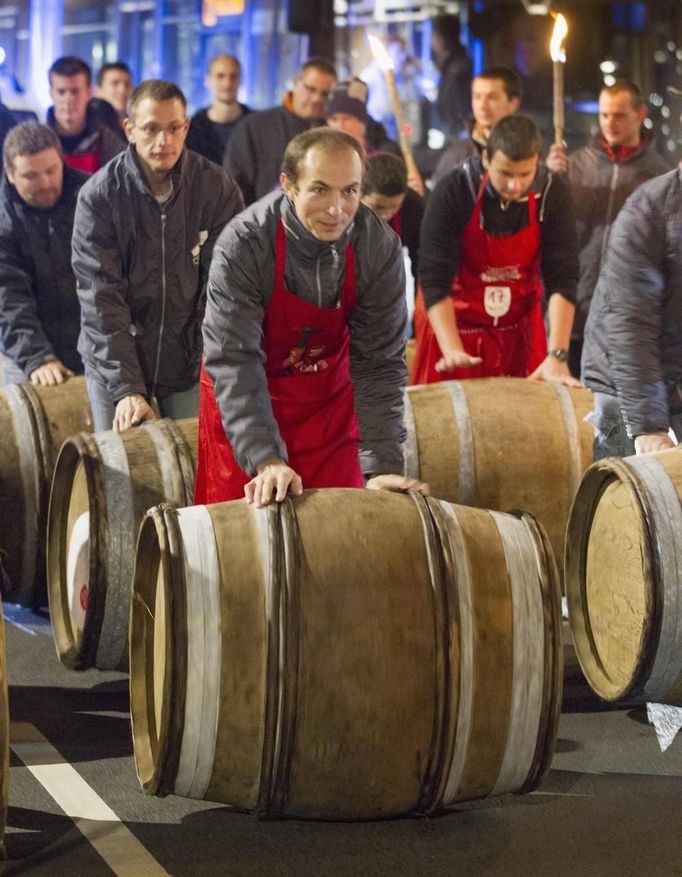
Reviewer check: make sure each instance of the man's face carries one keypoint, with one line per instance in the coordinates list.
(619, 121)
(349, 124)
(223, 80)
(490, 102)
(510, 179)
(310, 92)
(38, 178)
(385, 206)
(327, 194)
(116, 87)
(70, 96)
(158, 131)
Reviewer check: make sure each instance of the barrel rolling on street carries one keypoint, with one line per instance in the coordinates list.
(501, 443)
(624, 577)
(103, 484)
(348, 654)
(34, 422)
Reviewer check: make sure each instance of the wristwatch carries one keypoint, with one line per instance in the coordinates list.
(559, 353)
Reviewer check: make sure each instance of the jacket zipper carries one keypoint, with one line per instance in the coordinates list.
(163, 300)
(607, 224)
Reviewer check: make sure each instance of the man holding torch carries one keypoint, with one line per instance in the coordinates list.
(497, 231)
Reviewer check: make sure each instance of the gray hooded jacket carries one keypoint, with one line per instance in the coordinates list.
(633, 337)
(141, 271)
(239, 290)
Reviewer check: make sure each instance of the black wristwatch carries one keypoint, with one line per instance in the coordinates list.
(559, 353)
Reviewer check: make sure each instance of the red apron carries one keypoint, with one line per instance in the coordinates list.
(497, 297)
(308, 371)
(396, 223)
(85, 161)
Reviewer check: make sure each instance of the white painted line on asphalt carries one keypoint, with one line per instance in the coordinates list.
(93, 817)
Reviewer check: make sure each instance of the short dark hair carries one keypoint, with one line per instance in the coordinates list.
(386, 174)
(318, 64)
(627, 86)
(28, 138)
(327, 139)
(70, 65)
(509, 78)
(156, 90)
(516, 136)
(121, 66)
(225, 57)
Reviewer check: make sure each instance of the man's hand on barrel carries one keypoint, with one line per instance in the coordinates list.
(131, 411)
(273, 480)
(650, 442)
(51, 373)
(397, 482)
(457, 359)
(550, 369)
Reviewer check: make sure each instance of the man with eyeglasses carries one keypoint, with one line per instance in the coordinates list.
(254, 153)
(143, 236)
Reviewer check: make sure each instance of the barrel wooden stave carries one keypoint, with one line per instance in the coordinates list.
(374, 714)
(114, 479)
(33, 422)
(623, 565)
(503, 443)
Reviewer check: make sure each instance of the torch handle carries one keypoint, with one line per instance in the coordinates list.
(400, 123)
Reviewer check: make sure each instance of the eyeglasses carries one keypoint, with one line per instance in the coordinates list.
(152, 131)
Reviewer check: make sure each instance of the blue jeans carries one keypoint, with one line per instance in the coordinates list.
(11, 373)
(610, 436)
(176, 406)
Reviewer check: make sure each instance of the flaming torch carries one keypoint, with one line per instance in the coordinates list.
(384, 60)
(556, 50)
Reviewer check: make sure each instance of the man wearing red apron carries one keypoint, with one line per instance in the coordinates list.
(496, 231)
(303, 335)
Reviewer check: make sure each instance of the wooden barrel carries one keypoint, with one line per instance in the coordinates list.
(624, 577)
(410, 350)
(348, 654)
(103, 484)
(501, 443)
(34, 421)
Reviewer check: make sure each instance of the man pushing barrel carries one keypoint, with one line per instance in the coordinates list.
(304, 336)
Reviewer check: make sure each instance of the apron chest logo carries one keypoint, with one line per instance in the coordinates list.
(497, 300)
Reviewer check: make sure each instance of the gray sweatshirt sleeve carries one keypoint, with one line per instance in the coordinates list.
(377, 356)
(634, 284)
(234, 358)
(102, 291)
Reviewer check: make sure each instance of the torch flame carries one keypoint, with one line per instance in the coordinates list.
(556, 48)
(379, 51)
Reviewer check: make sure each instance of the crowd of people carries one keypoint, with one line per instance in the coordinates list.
(248, 267)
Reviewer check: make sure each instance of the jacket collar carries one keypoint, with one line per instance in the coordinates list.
(305, 244)
(132, 166)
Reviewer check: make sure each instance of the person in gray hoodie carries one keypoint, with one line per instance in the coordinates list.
(602, 175)
(144, 232)
(304, 338)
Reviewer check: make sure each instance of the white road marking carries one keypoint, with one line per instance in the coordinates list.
(93, 817)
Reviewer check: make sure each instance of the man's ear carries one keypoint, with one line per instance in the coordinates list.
(287, 186)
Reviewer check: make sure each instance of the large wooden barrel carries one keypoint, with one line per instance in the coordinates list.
(103, 484)
(349, 654)
(34, 421)
(624, 577)
(501, 443)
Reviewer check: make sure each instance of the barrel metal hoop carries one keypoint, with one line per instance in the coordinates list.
(411, 467)
(571, 431)
(164, 440)
(441, 576)
(33, 480)
(466, 476)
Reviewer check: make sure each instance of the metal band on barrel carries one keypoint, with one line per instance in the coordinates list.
(466, 486)
(568, 415)
(667, 516)
(30, 478)
(204, 652)
(166, 454)
(411, 447)
(528, 654)
(121, 539)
